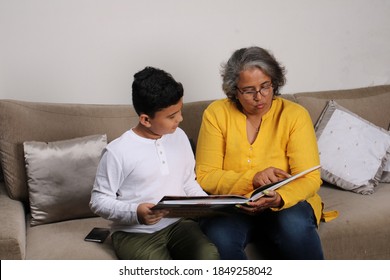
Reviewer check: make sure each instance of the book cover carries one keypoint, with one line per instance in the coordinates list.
(190, 206)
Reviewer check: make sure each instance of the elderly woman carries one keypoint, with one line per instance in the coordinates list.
(252, 138)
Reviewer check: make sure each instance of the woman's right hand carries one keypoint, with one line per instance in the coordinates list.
(268, 176)
(147, 216)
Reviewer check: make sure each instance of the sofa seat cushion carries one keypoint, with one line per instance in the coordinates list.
(65, 241)
(362, 230)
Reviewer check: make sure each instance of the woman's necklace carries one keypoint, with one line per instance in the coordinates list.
(252, 130)
(256, 127)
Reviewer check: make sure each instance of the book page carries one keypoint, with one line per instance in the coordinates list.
(259, 192)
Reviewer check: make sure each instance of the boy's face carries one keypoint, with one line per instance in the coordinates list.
(167, 120)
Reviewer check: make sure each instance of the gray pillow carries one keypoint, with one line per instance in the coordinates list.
(60, 177)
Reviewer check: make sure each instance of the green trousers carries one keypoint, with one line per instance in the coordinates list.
(183, 240)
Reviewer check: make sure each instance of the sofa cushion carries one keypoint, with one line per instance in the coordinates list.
(352, 150)
(65, 241)
(361, 231)
(192, 118)
(60, 177)
(13, 227)
(37, 121)
(360, 101)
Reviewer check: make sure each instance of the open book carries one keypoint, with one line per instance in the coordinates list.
(182, 206)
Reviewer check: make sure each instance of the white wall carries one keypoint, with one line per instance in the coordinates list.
(86, 51)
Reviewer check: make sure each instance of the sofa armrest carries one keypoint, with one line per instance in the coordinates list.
(13, 227)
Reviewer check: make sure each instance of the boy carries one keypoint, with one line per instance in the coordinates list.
(147, 162)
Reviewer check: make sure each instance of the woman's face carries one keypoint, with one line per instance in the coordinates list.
(254, 91)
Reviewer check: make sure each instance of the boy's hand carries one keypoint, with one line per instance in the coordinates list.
(147, 216)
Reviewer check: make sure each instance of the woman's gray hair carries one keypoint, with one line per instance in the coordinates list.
(247, 58)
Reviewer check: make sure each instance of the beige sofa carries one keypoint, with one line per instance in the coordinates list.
(362, 230)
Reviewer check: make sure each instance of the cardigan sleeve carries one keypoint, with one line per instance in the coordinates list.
(302, 154)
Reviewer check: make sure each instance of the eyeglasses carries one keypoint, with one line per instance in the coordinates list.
(249, 92)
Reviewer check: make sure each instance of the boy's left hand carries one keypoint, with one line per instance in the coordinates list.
(147, 216)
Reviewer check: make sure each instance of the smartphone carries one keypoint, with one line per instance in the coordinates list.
(97, 235)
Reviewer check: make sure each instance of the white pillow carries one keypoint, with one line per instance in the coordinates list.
(386, 171)
(353, 151)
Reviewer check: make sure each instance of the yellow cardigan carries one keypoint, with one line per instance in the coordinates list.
(226, 162)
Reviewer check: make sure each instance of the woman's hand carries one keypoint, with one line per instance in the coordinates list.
(268, 176)
(271, 200)
(147, 216)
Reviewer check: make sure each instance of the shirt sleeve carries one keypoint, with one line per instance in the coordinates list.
(104, 201)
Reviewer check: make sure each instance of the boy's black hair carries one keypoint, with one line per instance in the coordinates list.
(153, 90)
